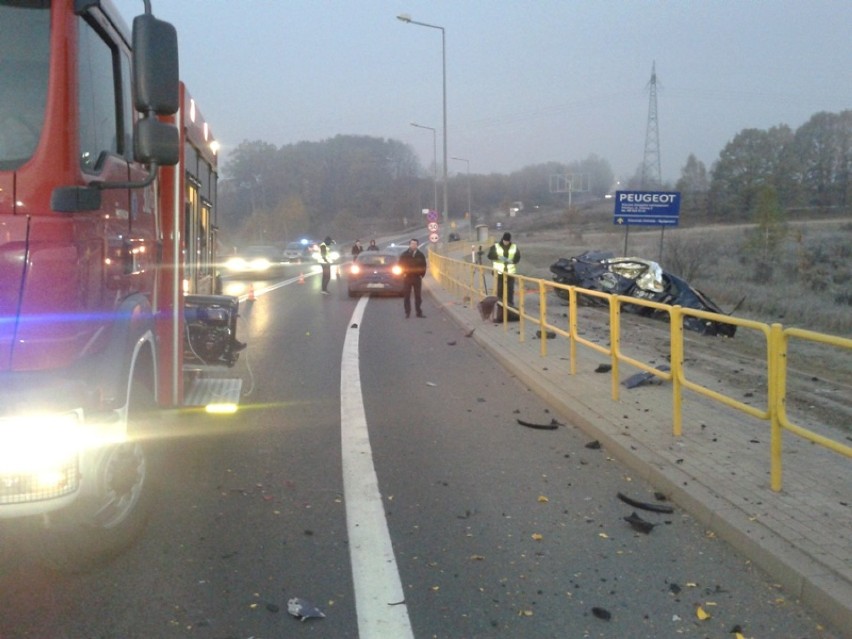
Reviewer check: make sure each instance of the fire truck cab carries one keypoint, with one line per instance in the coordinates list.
(110, 315)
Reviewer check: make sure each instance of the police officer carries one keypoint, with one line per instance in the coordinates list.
(504, 256)
(325, 262)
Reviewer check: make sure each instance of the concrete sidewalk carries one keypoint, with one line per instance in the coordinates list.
(718, 470)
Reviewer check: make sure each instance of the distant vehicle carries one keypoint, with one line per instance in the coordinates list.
(254, 260)
(453, 237)
(640, 278)
(298, 251)
(375, 272)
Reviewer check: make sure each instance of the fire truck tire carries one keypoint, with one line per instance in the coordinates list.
(98, 527)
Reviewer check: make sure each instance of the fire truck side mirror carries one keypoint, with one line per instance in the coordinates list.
(155, 66)
(156, 142)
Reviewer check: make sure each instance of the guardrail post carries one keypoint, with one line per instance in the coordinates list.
(676, 332)
(614, 340)
(572, 327)
(776, 396)
(542, 316)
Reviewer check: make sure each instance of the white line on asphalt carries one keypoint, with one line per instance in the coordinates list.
(379, 597)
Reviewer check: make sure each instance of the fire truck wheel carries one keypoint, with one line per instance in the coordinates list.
(105, 522)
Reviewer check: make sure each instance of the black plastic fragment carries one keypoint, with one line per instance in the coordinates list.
(655, 508)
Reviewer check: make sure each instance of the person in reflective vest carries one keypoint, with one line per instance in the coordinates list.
(504, 256)
(325, 263)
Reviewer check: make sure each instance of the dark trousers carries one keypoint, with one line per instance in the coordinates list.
(326, 276)
(415, 283)
(510, 288)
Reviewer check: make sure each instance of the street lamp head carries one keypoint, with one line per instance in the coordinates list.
(404, 17)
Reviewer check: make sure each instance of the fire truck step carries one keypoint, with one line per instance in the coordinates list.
(214, 390)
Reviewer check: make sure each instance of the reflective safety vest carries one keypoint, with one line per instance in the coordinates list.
(510, 254)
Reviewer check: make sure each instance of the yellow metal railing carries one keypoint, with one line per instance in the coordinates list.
(472, 281)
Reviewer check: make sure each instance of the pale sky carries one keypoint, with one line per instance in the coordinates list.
(528, 81)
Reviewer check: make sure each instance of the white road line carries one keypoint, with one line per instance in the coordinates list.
(379, 597)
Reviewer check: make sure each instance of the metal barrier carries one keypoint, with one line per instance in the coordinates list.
(470, 281)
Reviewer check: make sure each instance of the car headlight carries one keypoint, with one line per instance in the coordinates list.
(260, 264)
(334, 256)
(235, 264)
(355, 269)
(396, 269)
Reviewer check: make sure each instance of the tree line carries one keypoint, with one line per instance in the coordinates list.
(342, 184)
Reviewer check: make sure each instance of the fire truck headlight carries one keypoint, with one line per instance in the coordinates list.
(39, 443)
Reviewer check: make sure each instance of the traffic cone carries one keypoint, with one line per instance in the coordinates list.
(251, 293)
(301, 277)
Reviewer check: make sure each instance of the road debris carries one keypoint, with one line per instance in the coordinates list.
(553, 425)
(602, 613)
(594, 445)
(548, 334)
(603, 368)
(303, 609)
(640, 379)
(655, 508)
(637, 523)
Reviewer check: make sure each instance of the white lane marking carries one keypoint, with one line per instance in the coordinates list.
(379, 595)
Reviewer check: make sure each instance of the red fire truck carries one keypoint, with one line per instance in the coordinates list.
(110, 316)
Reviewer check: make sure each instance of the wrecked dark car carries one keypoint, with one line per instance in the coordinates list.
(641, 278)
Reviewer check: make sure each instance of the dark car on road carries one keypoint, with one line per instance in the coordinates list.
(375, 272)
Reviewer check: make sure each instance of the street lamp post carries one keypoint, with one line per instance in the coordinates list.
(469, 212)
(434, 159)
(407, 18)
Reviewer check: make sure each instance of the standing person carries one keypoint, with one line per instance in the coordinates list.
(413, 264)
(357, 248)
(325, 262)
(504, 256)
(372, 246)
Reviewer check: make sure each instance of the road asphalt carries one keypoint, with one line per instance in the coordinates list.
(717, 470)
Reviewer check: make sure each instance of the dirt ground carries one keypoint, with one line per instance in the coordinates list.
(819, 382)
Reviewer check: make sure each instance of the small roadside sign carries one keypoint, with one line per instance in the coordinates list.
(433, 227)
(648, 208)
(434, 237)
(432, 216)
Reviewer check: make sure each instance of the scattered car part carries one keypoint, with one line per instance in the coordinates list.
(303, 609)
(553, 425)
(655, 508)
(637, 523)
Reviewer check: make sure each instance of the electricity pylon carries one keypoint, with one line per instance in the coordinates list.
(651, 173)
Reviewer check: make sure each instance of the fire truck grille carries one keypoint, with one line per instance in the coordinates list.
(21, 488)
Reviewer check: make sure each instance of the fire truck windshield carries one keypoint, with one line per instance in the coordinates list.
(24, 54)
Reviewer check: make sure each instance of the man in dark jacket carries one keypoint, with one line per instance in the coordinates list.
(413, 264)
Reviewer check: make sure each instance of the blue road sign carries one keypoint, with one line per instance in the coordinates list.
(648, 208)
